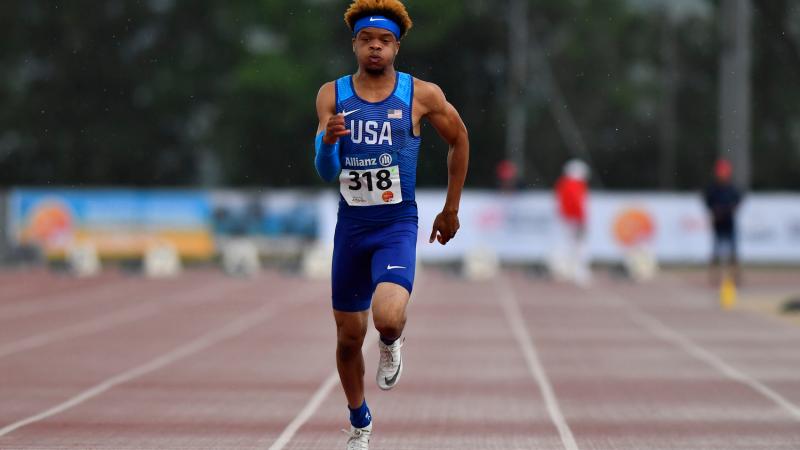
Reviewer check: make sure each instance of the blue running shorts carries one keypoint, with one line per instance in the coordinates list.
(365, 255)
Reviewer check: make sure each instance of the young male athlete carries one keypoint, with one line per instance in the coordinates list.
(368, 140)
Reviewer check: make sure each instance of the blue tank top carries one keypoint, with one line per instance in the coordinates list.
(381, 140)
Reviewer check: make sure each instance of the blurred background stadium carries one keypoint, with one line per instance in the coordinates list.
(174, 139)
(193, 121)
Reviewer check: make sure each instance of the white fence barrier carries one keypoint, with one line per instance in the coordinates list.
(523, 227)
(520, 227)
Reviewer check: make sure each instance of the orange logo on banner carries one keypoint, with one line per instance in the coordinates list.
(48, 221)
(633, 226)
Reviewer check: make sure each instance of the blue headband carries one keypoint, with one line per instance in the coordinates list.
(377, 22)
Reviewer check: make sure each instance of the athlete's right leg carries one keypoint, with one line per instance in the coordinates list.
(351, 327)
(352, 295)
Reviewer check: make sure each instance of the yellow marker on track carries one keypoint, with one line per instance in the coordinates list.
(727, 294)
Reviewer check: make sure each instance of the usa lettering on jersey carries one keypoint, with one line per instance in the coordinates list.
(367, 132)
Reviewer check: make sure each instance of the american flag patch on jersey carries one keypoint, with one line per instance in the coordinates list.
(395, 114)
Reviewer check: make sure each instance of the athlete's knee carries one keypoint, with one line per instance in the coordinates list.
(347, 351)
(390, 331)
(390, 325)
(350, 339)
(389, 311)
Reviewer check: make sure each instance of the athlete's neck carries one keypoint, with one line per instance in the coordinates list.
(373, 80)
(374, 87)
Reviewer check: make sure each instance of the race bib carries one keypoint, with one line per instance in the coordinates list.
(371, 187)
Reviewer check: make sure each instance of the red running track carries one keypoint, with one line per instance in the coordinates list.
(209, 362)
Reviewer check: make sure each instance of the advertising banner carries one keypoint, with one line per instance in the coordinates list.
(119, 223)
(518, 227)
(4, 242)
(524, 227)
(280, 223)
(770, 228)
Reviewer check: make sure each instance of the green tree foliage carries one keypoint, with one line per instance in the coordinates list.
(201, 92)
(776, 108)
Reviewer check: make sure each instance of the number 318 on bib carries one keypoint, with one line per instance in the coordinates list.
(371, 187)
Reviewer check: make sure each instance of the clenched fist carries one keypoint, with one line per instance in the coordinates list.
(335, 129)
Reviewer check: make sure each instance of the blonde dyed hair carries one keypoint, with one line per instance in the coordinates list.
(392, 9)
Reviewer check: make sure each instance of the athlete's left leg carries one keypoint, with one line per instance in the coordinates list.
(389, 315)
(389, 305)
(393, 269)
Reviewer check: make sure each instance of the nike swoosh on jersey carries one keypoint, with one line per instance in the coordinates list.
(395, 267)
(347, 113)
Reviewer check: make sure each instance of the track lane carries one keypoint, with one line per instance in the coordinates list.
(30, 381)
(22, 287)
(622, 387)
(224, 396)
(465, 385)
(47, 316)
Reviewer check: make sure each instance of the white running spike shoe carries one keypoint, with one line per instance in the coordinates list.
(390, 366)
(358, 438)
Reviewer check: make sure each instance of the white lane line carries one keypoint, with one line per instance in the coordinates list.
(111, 320)
(197, 345)
(659, 329)
(513, 314)
(315, 401)
(80, 329)
(325, 388)
(45, 303)
(26, 282)
(308, 410)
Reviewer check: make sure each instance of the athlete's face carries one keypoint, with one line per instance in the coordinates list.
(375, 49)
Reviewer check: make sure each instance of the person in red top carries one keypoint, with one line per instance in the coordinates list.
(571, 191)
(571, 261)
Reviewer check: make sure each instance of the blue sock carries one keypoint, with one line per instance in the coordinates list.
(360, 417)
(388, 341)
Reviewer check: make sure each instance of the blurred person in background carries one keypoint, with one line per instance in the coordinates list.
(368, 140)
(570, 261)
(722, 199)
(507, 176)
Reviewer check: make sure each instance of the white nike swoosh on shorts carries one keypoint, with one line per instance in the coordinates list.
(395, 267)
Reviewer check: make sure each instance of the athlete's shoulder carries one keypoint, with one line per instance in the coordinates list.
(426, 89)
(327, 89)
(326, 97)
(428, 94)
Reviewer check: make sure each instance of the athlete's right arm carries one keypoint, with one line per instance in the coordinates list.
(331, 128)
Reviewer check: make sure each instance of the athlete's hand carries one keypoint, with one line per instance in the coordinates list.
(335, 129)
(445, 227)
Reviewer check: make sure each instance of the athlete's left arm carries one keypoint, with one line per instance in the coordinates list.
(447, 122)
